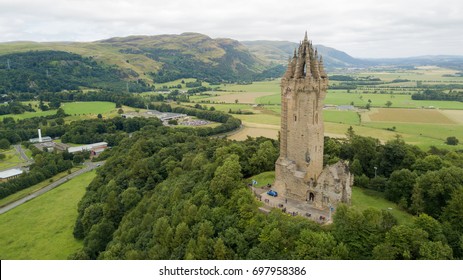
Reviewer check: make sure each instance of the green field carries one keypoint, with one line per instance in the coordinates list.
(41, 229)
(346, 117)
(264, 86)
(12, 159)
(89, 109)
(85, 108)
(338, 97)
(25, 192)
(363, 199)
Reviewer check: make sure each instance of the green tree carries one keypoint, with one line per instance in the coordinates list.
(401, 243)
(172, 122)
(400, 185)
(356, 167)
(435, 188)
(78, 159)
(319, 246)
(388, 103)
(453, 211)
(227, 177)
(59, 121)
(4, 144)
(431, 226)
(264, 159)
(435, 251)
(99, 116)
(451, 140)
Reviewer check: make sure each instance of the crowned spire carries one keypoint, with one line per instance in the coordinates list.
(305, 36)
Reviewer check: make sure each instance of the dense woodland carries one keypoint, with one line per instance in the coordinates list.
(233, 66)
(170, 194)
(111, 131)
(55, 71)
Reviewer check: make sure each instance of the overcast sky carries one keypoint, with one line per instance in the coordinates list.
(362, 28)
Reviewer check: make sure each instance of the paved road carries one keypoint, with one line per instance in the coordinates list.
(88, 167)
(21, 152)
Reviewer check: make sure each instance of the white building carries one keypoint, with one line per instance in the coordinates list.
(9, 174)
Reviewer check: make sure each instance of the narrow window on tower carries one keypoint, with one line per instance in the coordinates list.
(305, 70)
(295, 118)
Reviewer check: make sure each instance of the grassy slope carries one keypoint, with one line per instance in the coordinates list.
(105, 53)
(362, 199)
(42, 228)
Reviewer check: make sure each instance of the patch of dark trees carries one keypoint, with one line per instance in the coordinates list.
(55, 71)
(430, 94)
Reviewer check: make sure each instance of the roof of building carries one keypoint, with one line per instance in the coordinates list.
(44, 139)
(10, 173)
(86, 147)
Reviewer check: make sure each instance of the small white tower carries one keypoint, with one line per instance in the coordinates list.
(40, 136)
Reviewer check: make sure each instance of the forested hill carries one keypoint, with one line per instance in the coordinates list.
(168, 194)
(54, 71)
(164, 57)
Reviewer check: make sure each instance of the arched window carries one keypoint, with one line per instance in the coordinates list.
(311, 197)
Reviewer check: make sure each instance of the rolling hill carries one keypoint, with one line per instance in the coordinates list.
(279, 51)
(161, 58)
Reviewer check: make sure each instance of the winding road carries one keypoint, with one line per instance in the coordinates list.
(88, 167)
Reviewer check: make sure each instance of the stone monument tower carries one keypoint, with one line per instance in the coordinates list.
(299, 170)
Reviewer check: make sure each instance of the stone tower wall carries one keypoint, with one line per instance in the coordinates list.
(299, 171)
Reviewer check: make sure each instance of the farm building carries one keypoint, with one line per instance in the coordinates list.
(9, 174)
(95, 148)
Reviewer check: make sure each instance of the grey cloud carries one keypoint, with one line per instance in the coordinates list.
(362, 28)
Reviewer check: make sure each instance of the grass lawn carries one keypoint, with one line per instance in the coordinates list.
(34, 188)
(262, 179)
(363, 199)
(42, 228)
(12, 159)
(94, 107)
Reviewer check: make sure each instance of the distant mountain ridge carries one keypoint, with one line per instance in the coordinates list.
(162, 58)
(280, 51)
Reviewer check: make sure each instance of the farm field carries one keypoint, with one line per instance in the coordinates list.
(77, 110)
(243, 98)
(341, 97)
(424, 123)
(30, 231)
(406, 115)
